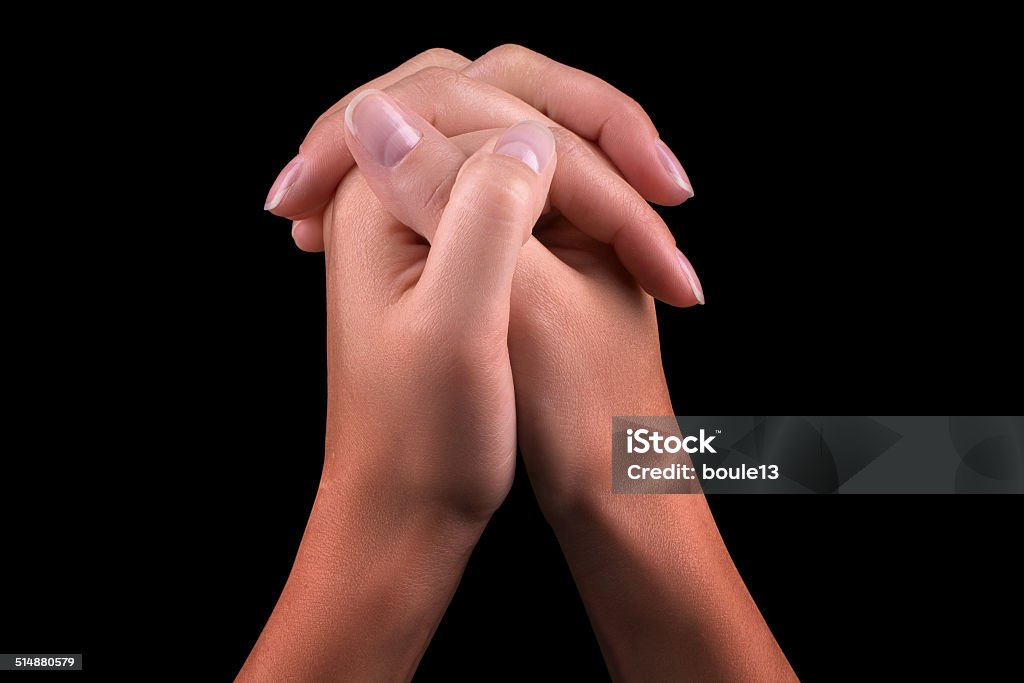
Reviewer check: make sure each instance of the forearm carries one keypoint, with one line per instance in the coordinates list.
(664, 597)
(367, 590)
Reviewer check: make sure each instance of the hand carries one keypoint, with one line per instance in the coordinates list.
(459, 96)
(417, 334)
(661, 590)
(421, 415)
(583, 335)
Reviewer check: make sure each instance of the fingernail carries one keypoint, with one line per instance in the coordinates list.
(381, 127)
(674, 168)
(295, 224)
(288, 176)
(530, 142)
(691, 276)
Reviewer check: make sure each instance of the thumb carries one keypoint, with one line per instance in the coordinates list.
(497, 197)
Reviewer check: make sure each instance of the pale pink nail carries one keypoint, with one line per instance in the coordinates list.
(381, 128)
(691, 276)
(530, 142)
(286, 179)
(674, 168)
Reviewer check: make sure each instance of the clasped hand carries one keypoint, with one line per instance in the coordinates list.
(491, 265)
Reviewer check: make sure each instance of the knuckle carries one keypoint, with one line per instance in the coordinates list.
(638, 216)
(434, 77)
(436, 198)
(510, 53)
(570, 146)
(632, 214)
(582, 155)
(628, 108)
(564, 137)
(637, 212)
(516, 190)
(438, 55)
(498, 187)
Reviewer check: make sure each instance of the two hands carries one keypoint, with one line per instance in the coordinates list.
(484, 289)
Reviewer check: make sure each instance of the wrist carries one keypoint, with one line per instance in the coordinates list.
(373, 505)
(376, 570)
(570, 465)
(411, 480)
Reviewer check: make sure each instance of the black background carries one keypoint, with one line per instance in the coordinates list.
(852, 265)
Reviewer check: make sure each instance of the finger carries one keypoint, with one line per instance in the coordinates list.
(453, 103)
(434, 57)
(495, 201)
(593, 109)
(368, 252)
(410, 167)
(448, 99)
(407, 162)
(308, 234)
(606, 208)
(288, 195)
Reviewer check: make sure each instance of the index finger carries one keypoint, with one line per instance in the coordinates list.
(565, 96)
(594, 110)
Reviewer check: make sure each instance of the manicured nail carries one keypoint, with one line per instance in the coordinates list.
(674, 168)
(286, 179)
(691, 276)
(381, 127)
(530, 142)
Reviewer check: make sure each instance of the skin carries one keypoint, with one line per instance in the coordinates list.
(663, 595)
(421, 436)
(498, 90)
